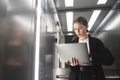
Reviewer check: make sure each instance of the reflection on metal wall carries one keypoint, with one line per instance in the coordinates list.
(16, 39)
(47, 40)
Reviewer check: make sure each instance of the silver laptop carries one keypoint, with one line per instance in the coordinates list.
(78, 50)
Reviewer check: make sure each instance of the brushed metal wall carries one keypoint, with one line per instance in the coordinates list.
(17, 23)
(109, 33)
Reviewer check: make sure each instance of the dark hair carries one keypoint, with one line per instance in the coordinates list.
(81, 20)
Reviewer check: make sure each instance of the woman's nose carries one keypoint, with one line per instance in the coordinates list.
(78, 30)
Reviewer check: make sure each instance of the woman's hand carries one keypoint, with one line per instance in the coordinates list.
(73, 62)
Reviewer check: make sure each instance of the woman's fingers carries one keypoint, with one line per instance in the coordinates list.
(74, 62)
(77, 62)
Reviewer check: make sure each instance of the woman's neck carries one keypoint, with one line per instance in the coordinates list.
(83, 38)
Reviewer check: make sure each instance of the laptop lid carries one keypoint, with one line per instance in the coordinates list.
(77, 50)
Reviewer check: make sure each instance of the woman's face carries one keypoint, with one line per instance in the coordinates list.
(80, 29)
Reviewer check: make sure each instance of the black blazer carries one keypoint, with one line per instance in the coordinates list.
(100, 56)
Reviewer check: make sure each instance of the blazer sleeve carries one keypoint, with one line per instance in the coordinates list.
(102, 55)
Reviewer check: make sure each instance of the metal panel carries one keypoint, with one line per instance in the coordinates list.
(61, 74)
(16, 39)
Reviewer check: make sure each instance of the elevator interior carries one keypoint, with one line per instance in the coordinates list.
(106, 28)
(53, 30)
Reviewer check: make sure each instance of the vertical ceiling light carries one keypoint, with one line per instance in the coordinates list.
(68, 3)
(95, 14)
(69, 15)
(93, 18)
(101, 1)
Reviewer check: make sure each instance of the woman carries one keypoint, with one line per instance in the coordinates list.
(98, 54)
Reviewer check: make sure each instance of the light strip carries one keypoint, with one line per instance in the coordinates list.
(101, 1)
(37, 44)
(69, 17)
(114, 23)
(106, 18)
(68, 3)
(95, 14)
(93, 18)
